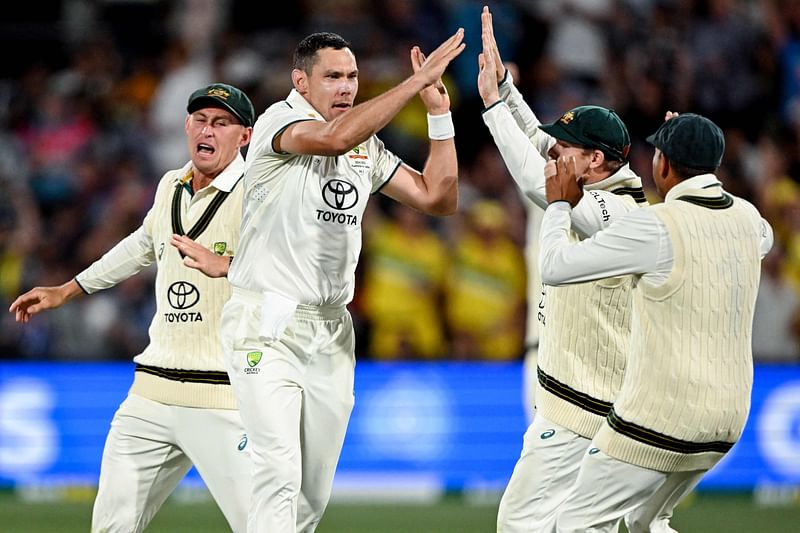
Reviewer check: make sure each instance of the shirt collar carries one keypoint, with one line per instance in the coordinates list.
(299, 102)
(703, 182)
(623, 176)
(225, 180)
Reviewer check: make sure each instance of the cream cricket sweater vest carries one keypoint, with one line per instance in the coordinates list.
(183, 364)
(583, 345)
(686, 393)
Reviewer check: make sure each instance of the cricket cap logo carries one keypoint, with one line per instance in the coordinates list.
(253, 358)
(219, 92)
(220, 247)
(567, 117)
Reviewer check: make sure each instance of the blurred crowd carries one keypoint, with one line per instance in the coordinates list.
(93, 99)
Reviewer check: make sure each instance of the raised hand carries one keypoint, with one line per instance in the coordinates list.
(488, 28)
(434, 96)
(201, 258)
(431, 69)
(564, 183)
(487, 67)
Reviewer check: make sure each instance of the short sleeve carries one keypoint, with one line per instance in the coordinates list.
(272, 123)
(385, 163)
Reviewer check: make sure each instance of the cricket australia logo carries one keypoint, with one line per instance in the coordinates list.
(339, 195)
(253, 358)
(220, 247)
(183, 295)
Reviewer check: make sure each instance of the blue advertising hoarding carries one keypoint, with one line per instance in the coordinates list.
(435, 427)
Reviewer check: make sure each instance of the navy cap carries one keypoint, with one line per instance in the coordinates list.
(223, 96)
(690, 140)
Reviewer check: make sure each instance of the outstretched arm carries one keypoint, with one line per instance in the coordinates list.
(507, 91)
(434, 190)
(40, 298)
(364, 120)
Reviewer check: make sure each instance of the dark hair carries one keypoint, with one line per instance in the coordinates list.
(305, 55)
(683, 172)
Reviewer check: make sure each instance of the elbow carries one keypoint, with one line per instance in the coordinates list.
(335, 145)
(445, 203)
(339, 139)
(444, 208)
(547, 272)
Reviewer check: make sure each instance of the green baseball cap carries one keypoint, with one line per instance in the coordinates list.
(593, 127)
(690, 140)
(223, 96)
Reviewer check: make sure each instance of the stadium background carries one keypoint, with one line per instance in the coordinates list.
(92, 100)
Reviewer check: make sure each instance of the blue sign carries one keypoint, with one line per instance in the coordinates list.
(430, 426)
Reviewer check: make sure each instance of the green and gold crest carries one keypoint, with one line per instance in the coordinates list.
(220, 247)
(253, 358)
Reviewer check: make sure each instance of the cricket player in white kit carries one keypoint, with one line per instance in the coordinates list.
(313, 163)
(584, 329)
(696, 258)
(180, 409)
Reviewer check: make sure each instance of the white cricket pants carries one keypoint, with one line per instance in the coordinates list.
(149, 449)
(295, 397)
(542, 477)
(607, 490)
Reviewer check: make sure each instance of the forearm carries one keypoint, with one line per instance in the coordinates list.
(634, 245)
(128, 257)
(367, 118)
(523, 115)
(440, 178)
(524, 162)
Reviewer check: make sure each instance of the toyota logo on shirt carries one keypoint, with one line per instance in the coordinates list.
(340, 194)
(182, 295)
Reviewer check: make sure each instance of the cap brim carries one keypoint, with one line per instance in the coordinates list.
(651, 139)
(210, 101)
(558, 131)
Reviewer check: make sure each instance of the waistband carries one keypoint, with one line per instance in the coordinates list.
(303, 311)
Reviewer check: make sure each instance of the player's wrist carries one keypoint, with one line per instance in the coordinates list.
(440, 126)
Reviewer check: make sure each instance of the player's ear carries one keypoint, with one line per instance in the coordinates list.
(300, 80)
(598, 159)
(246, 136)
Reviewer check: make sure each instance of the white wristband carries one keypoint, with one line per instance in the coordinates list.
(440, 127)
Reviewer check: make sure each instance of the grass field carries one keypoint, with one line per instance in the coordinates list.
(703, 514)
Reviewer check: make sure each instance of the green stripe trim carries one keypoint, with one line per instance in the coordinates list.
(81, 286)
(567, 393)
(659, 440)
(186, 376)
(636, 192)
(391, 175)
(204, 220)
(719, 202)
(177, 225)
(500, 101)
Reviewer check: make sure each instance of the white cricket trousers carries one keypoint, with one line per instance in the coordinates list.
(608, 490)
(295, 396)
(542, 477)
(149, 449)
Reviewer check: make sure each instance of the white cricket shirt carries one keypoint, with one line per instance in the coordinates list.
(301, 228)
